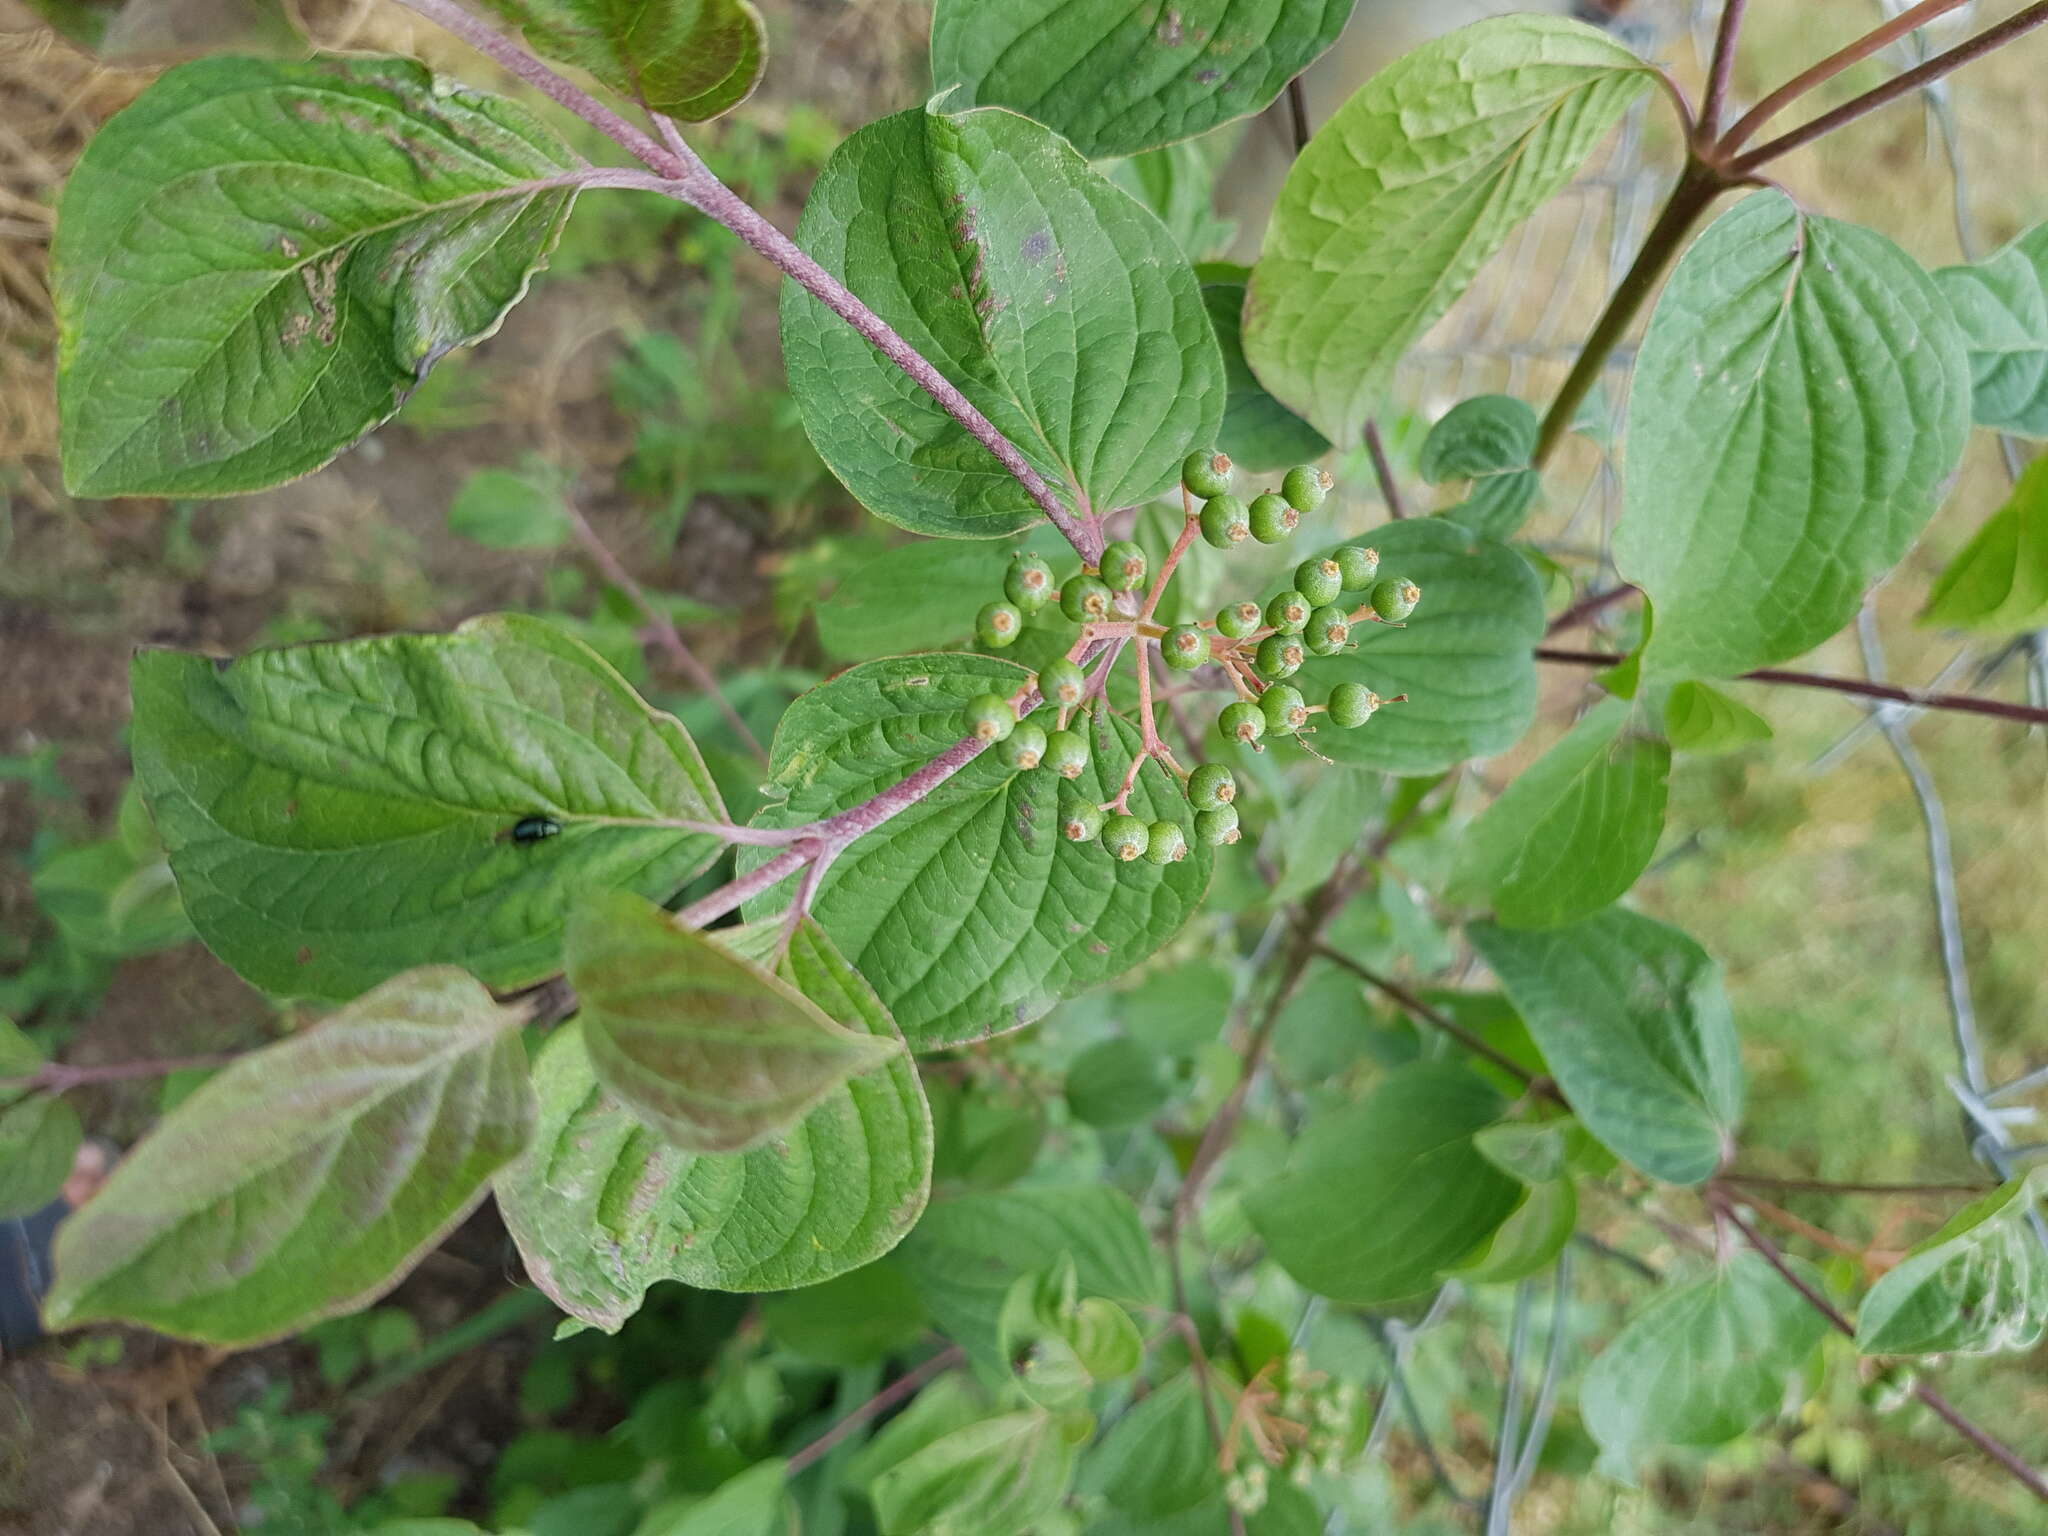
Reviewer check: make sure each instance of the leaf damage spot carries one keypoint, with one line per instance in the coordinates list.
(322, 280)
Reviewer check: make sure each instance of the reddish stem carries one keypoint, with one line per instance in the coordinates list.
(1961, 703)
(1390, 491)
(1721, 69)
(902, 1387)
(58, 1077)
(1843, 58)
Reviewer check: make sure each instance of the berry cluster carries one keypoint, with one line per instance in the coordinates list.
(1257, 647)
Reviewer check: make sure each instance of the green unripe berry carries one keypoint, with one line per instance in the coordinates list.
(1242, 722)
(990, 718)
(1028, 582)
(1225, 522)
(998, 624)
(1306, 486)
(1216, 825)
(1126, 838)
(1024, 747)
(1279, 656)
(1168, 843)
(1285, 710)
(1184, 647)
(1080, 819)
(1211, 785)
(1066, 754)
(1357, 566)
(1086, 599)
(1272, 518)
(1206, 473)
(1123, 566)
(1329, 630)
(1394, 599)
(1319, 580)
(1288, 613)
(1062, 683)
(1236, 620)
(1351, 705)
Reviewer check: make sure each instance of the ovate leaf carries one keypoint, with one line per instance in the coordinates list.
(1575, 828)
(257, 262)
(1799, 403)
(1488, 440)
(1258, 431)
(1464, 659)
(337, 813)
(39, 1139)
(1381, 1197)
(712, 1052)
(1702, 719)
(1115, 1083)
(1054, 300)
(968, 1252)
(1118, 76)
(1998, 582)
(602, 1208)
(691, 59)
(1156, 1461)
(1634, 1026)
(1408, 189)
(1702, 1363)
(308, 1177)
(1979, 1286)
(2002, 305)
(969, 912)
(948, 1468)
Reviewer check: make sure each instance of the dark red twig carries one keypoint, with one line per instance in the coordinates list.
(1961, 703)
(2029, 1477)
(902, 1387)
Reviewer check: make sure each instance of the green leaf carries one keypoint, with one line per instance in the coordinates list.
(1116, 76)
(508, 509)
(854, 1319)
(1979, 1286)
(1464, 659)
(602, 1208)
(1409, 188)
(106, 903)
(1156, 1461)
(967, 1252)
(1530, 1240)
(19, 1057)
(1634, 1026)
(917, 596)
(1998, 582)
(337, 813)
(1489, 440)
(2001, 304)
(1115, 1083)
(1380, 1198)
(930, 1474)
(257, 262)
(751, 1503)
(711, 1051)
(1575, 828)
(1178, 183)
(1702, 1363)
(1258, 431)
(968, 912)
(1054, 300)
(1798, 405)
(1322, 826)
(690, 59)
(39, 1139)
(309, 1176)
(1701, 718)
